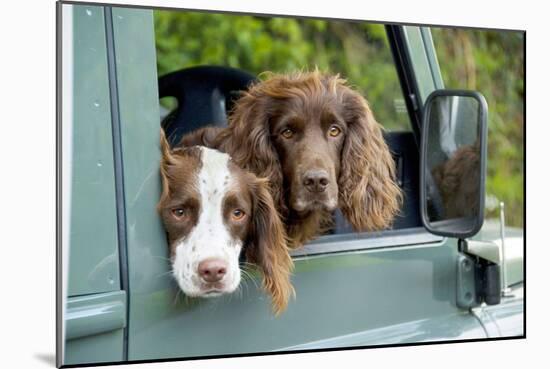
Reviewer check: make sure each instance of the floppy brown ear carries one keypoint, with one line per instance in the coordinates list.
(369, 197)
(166, 160)
(249, 142)
(172, 164)
(268, 248)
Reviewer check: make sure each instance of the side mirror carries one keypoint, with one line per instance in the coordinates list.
(453, 163)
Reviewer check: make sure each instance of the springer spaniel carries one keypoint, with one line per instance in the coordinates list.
(212, 210)
(316, 140)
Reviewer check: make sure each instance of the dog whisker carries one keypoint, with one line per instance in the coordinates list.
(248, 276)
(245, 284)
(240, 291)
(164, 274)
(174, 303)
(161, 257)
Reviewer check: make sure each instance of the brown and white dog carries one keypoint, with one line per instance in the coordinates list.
(212, 210)
(316, 140)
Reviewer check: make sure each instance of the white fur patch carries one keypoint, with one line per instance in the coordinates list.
(210, 238)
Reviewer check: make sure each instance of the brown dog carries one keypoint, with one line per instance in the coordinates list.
(317, 142)
(458, 180)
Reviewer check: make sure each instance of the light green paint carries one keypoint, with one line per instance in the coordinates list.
(93, 254)
(94, 328)
(94, 314)
(105, 347)
(424, 60)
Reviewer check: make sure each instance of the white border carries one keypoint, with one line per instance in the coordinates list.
(27, 190)
(67, 76)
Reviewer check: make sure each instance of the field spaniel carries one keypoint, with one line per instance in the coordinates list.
(457, 180)
(212, 210)
(316, 140)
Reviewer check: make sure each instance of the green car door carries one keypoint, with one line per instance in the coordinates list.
(96, 305)
(350, 297)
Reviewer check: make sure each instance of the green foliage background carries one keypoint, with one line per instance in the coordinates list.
(492, 62)
(488, 61)
(357, 51)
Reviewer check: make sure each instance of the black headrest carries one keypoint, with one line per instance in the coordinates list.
(204, 95)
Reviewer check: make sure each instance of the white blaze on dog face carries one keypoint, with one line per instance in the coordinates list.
(205, 256)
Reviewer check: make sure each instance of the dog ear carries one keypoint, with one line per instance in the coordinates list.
(369, 197)
(249, 140)
(268, 247)
(171, 162)
(167, 160)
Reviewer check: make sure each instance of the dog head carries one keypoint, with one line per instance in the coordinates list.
(317, 141)
(212, 211)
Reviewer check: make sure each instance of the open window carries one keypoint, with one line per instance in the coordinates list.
(201, 71)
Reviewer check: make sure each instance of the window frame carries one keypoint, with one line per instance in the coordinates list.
(350, 242)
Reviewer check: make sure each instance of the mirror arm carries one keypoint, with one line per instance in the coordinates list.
(486, 281)
(480, 283)
(486, 250)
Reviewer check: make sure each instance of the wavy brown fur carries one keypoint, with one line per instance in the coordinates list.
(458, 181)
(269, 247)
(368, 195)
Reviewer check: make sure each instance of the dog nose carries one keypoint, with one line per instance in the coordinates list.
(212, 270)
(316, 180)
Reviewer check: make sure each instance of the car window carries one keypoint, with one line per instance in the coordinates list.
(358, 51)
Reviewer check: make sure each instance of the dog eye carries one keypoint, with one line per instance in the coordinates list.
(180, 213)
(334, 131)
(287, 133)
(238, 214)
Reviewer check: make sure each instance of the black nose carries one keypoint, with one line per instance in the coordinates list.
(316, 180)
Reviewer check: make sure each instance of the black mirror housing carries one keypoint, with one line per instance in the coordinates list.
(453, 162)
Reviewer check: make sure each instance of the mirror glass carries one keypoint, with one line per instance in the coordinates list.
(454, 164)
